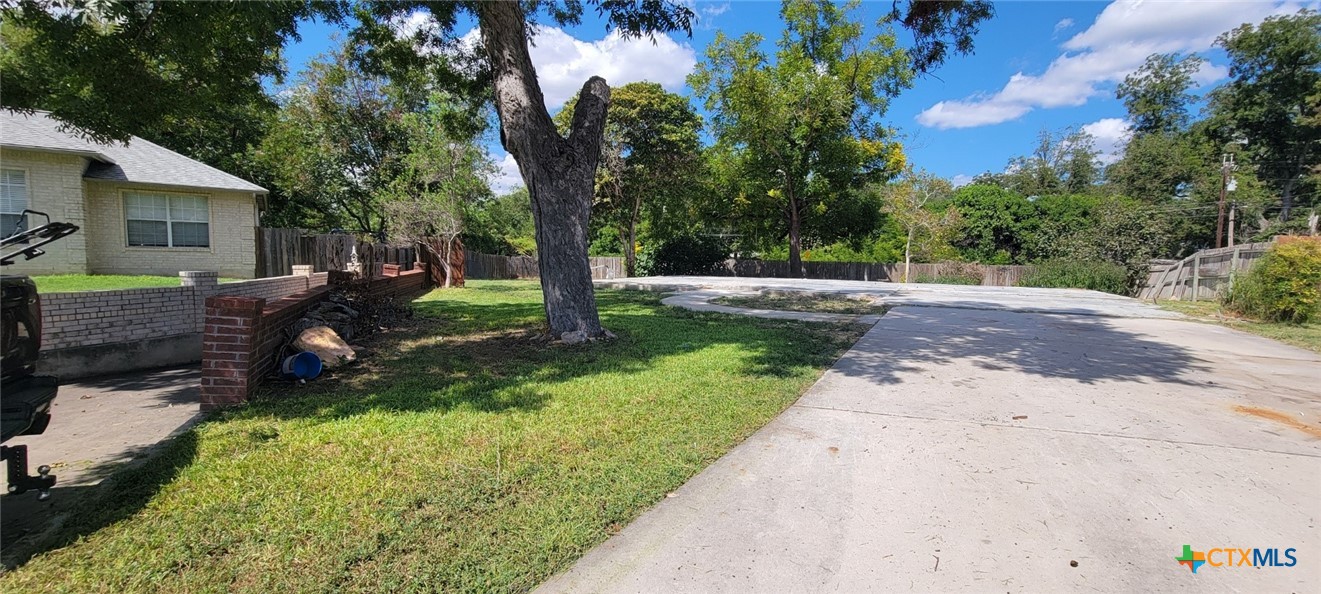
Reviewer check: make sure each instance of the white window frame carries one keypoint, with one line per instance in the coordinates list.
(168, 220)
(27, 196)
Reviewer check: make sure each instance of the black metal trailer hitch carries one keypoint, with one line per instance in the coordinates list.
(16, 458)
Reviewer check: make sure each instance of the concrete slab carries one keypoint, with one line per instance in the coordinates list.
(98, 425)
(1020, 299)
(701, 301)
(986, 450)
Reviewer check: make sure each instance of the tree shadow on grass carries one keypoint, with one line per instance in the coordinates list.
(33, 527)
(487, 357)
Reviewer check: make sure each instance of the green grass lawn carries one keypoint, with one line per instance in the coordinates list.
(803, 302)
(462, 455)
(1307, 336)
(70, 283)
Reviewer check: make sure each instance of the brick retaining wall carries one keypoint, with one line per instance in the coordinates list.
(96, 332)
(243, 335)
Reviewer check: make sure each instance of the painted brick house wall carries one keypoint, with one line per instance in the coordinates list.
(55, 187)
(233, 222)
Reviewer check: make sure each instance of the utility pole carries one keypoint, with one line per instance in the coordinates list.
(1233, 206)
(1226, 166)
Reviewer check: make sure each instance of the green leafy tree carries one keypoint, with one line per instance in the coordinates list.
(112, 69)
(501, 225)
(1157, 94)
(443, 170)
(1121, 231)
(796, 134)
(338, 143)
(1158, 167)
(1271, 100)
(1062, 162)
(650, 160)
(909, 203)
(995, 224)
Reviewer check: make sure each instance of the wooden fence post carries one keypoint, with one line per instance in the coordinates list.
(1197, 273)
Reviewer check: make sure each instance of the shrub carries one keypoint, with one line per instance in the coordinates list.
(952, 273)
(1284, 286)
(685, 254)
(1073, 274)
(948, 279)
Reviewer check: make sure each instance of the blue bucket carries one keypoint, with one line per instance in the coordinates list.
(303, 366)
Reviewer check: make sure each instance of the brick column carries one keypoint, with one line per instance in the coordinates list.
(228, 350)
(203, 280)
(389, 270)
(302, 270)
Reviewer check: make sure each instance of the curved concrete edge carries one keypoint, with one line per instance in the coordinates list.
(1011, 299)
(701, 301)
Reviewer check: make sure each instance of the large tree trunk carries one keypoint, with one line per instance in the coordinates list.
(630, 240)
(795, 239)
(630, 236)
(559, 172)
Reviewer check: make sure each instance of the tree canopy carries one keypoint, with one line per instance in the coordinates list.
(797, 133)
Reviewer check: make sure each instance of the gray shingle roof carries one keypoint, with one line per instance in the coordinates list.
(139, 161)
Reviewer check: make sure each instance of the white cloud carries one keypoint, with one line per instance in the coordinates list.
(564, 63)
(506, 177)
(1111, 134)
(1062, 25)
(1117, 43)
(960, 180)
(969, 113)
(712, 10)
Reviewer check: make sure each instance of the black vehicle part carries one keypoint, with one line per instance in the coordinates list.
(16, 463)
(25, 406)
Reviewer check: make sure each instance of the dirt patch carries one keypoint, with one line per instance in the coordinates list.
(1281, 418)
(808, 302)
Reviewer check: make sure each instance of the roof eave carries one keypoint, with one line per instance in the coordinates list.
(46, 149)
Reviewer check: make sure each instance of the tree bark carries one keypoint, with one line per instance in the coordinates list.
(559, 172)
(795, 232)
(630, 237)
(908, 251)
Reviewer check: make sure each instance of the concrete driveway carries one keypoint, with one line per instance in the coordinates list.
(98, 426)
(995, 448)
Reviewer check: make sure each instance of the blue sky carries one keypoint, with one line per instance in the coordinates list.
(1037, 65)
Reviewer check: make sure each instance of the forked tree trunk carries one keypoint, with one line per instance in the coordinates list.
(559, 172)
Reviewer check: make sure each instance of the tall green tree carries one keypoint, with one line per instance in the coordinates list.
(1271, 101)
(650, 160)
(1157, 95)
(996, 223)
(443, 171)
(909, 202)
(339, 142)
(799, 132)
(115, 68)
(1063, 162)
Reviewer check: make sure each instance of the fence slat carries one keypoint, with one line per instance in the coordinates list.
(1212, 269)
(278, 250)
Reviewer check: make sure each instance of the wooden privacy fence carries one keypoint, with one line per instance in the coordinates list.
(278, 250)
(488, 266)
(990, 275)
(1202, 275)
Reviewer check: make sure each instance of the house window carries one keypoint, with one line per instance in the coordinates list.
(167, 220)
(13, 200)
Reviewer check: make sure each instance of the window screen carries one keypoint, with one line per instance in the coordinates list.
(167, 220)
